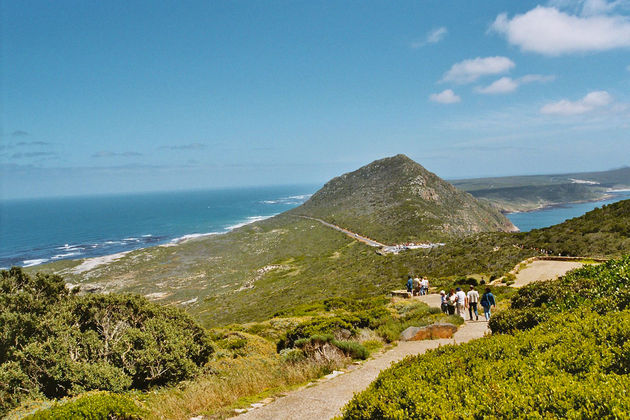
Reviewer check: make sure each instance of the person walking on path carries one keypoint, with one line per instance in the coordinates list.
(487, 301)
(461, 302)
(417, 288)
(425, 286)
(451, 302)
(473, 299)
(443, 302)
(410, 285)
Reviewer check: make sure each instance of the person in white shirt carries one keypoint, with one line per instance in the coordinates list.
(425, 286)
(473, 300)
(461, 302)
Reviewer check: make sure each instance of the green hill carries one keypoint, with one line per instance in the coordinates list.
(397, 200)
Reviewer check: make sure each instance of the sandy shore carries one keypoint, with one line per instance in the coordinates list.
(91, 263)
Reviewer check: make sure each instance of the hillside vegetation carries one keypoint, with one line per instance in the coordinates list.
(396, 200)
(55, 343)
(572, 363)
(230, 278)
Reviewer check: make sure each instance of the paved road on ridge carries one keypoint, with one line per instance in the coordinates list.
(353, 235)
(326, 399)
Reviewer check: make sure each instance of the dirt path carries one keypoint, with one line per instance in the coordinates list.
(351, 234)
(544, 270)
(326, 399)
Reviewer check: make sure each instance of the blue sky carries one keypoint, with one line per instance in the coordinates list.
(123, 96)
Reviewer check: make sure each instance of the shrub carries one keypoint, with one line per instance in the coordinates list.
(353, 349)
(575, 365)
(70, 344)
(93, 406)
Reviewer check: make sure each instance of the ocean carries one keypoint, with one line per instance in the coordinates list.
(38, 231)
(527, 221)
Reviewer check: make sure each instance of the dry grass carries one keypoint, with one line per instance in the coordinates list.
(235, 382)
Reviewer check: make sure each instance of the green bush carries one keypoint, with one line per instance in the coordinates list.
(319, 326)
(353, 349)
(56, 343)
(573, 366)
(93, 406)
(602, 288)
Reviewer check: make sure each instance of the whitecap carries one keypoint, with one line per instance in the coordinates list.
(184, 238)
(37, 261)
(68, 254)
(249, 220)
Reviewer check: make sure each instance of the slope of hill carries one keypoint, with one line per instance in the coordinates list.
(524, 193)
(397, 200)
(603, 231)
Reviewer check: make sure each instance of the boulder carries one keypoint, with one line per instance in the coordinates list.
(439, 330)
(409, 333)
(401, 294)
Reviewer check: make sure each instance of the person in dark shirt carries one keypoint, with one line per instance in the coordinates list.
(487, 301)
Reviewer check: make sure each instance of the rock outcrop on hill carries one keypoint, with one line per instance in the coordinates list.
(397, 200)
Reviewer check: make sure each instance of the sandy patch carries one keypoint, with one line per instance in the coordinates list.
(544, 270)
(92, 263)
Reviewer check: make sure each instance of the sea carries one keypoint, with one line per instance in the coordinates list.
(38, 231)
(553, 215)
(43, 230)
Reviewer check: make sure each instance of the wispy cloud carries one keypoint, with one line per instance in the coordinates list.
(508, 85)
(445, 97)
(106, 154)
(468, 71)
(21, 155)
(19, 133)
(549, 31)
(433, 37)
(32, 143)
(190, 146)
(590, 102)
(591, 7)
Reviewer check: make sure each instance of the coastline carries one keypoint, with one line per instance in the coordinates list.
(87, 264)
(561, 205)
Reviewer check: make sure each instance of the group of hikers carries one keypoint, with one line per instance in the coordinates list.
(457, 301)
(418, 286)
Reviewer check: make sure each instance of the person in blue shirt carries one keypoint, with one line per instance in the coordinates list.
(410, 285)
(487, 301)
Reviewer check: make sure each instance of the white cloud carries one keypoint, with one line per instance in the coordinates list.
(432, 37)
(503, 85)
(445, 97)
(468, 71)
(588, 103)
(546, 30)
(507, 84)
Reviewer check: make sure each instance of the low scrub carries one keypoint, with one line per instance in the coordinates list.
(92, 406)
(567, 356)
(603, 288)
(575, 366)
